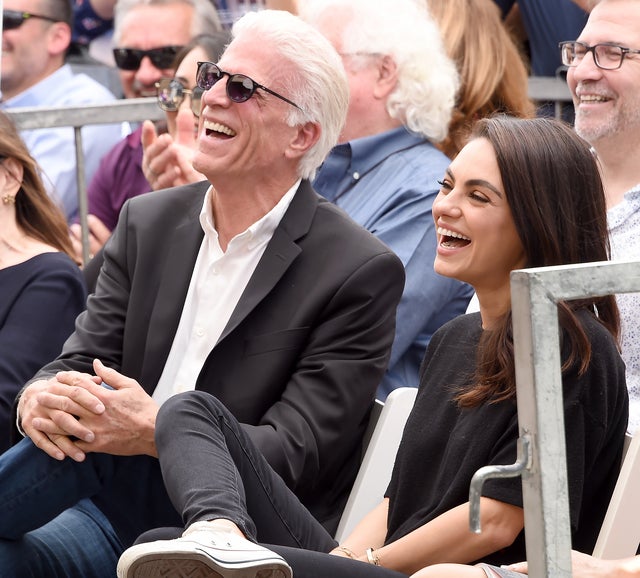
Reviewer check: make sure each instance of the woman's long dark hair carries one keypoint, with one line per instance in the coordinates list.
(36, 214)
(553, 187)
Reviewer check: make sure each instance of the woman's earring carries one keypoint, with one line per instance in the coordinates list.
(8, 199)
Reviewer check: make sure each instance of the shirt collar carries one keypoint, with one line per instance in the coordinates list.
(259, 231)
(369, 151)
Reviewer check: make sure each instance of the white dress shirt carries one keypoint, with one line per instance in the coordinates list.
(219, 279)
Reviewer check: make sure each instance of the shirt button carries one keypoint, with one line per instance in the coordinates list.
(356, 175)
(199, 331)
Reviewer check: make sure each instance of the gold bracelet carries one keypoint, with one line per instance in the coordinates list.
(348, 552)
(372, 557)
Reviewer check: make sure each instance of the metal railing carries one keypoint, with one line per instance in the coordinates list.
(129, 110)
(542, 462)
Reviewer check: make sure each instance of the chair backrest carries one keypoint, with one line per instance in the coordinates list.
(387, 422)
(620, 533)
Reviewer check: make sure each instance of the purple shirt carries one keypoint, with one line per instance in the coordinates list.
(118, 178)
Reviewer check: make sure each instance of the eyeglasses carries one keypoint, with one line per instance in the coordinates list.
(130, 58)
(12, 19)
(171, 93)
(240, 87)
(606, 56)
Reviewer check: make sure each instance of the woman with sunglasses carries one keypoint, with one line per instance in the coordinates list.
(521, 193)
(167, 157)
(172, 148)
(41, 287)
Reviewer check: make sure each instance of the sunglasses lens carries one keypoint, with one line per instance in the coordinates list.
(196, 101)
(240, 88)
(11, 19)
(170, 94)
(208, 74)
(127, 58)
(163, 57)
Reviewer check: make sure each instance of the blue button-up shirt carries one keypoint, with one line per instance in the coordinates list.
(387, 183)
(54, 148)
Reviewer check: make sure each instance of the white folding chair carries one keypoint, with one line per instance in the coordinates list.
(620, 533)
(387, 422)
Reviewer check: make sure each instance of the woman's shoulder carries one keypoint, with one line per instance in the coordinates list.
(48, 264)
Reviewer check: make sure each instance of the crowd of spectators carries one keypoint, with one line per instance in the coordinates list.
(187, 278)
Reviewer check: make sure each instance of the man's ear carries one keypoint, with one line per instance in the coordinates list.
(59, 35)
(387, 77)
(306, 136)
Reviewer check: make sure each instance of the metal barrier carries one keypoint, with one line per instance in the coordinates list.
(130, 110)
(535, 294)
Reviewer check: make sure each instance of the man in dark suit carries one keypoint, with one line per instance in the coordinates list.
(246, 286)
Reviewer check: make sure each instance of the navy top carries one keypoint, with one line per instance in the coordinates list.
(547, 23)
(39, 301)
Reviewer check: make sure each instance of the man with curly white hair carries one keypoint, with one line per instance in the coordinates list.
(384, 172)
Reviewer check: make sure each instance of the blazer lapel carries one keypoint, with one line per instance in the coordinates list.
(173, 286)
(281, 251)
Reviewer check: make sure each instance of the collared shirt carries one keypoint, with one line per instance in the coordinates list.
(624, 230)
(219, 279)
(387, 184)
(54, 148)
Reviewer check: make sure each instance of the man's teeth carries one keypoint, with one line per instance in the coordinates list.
(592, 98)
(217, 127)
(447, 233)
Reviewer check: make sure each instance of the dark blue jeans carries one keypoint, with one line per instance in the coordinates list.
(50, 527)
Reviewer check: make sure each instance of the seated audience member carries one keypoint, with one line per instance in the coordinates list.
(148, 34)
(384, 172)
(247, 286)
(35, 37)
(180, 105)
(167, 159)
(42, 288)
(603, 77)
(493, 74)
(497, 210)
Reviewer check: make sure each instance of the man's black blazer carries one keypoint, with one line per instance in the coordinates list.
(303, 352)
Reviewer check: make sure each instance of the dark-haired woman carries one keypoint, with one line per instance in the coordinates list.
(41, 288)
(521, 193)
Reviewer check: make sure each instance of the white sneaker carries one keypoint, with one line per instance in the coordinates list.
(202, 554)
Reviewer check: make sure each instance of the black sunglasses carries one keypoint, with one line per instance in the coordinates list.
(240, 87)
(130, 58)
(12, 19)
(171, 93)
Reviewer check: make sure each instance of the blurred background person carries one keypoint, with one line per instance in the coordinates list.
(41, 287)
(148, 35)
(36, 35)
(492, 69)
(385, 169)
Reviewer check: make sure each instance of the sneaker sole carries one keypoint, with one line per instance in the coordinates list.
(200, 565)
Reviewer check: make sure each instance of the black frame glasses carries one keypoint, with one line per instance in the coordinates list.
(240, 87)
(606, 56)
(131, 58)
(12, 19)
(171, 93)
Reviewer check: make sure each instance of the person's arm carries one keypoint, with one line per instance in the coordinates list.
(447, 538)
(370, 532)
(67, 389)
(39, 320)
